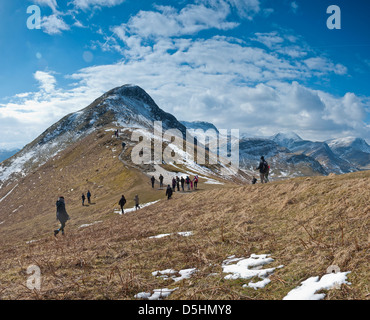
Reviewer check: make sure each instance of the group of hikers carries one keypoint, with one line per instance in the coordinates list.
(88, 197)
(63, 217)
(191, 184)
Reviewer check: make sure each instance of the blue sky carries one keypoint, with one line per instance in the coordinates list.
(262, 66)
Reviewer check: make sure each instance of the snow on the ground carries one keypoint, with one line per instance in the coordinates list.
(134, 208)
(157, 294)
(8, 193)
(184, 274)
(308, 288)
(89, 224)
(184, 234)
(249, 268)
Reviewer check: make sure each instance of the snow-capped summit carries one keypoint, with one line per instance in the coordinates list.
(286, 139)
(199, 125)
(128, 106)
(344, 144)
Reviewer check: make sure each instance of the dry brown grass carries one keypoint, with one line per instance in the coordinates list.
(306, 224)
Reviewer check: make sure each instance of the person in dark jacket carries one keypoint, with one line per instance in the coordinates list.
(153, 180)
(160, 181)
(88, 196)
(187, 180)
(169, 192)
(263, 168)
(122, 202)
(178, 183)
(62, 215)
(173, 184)
(182, 183)
(83, 199)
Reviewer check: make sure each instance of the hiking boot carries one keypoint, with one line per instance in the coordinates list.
(56, 232)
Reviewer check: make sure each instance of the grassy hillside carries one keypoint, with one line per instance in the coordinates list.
(305, 224)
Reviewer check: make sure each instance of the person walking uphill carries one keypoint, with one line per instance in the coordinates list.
(169, 192)
(153, 180)
(263, 168)
(137, 205)
(122, 202)
(62, 215)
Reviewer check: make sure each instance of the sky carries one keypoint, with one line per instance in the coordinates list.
(260, 66)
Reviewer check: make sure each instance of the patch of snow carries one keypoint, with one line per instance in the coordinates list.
(158, 294)
(249, 268)
(184, 234)
(8, 193)
(308, 288)
(89, 224)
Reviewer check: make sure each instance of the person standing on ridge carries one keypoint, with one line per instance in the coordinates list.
(173, 184)
(187, 180)
(153, 180)
(88, 196)
(160, 181)
(122, 202)
(62, 215)
(182, 180)
(196, 182)
(263, 168)
(83, 199)
(169, 192)
(178, 183)
(136, 199)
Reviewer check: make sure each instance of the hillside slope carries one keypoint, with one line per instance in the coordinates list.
(305, 224)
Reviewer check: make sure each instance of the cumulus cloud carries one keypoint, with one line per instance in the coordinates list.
(53, 24)
(219, 80)
(87, 4)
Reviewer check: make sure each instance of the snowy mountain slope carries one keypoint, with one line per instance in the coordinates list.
(354, 150)
(126, 108)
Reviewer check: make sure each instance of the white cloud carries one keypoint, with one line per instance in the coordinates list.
(87, 4)
(219, 80)
(294, 6)
(324, 65)
(53, 24)
(50, 3)
(46, 79)
(169, 22)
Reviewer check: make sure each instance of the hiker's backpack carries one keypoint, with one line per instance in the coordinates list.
(265, 166)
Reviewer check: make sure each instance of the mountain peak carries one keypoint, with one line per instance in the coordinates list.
(286, 136)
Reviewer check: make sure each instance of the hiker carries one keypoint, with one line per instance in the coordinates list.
(173, 184)
(83, 199)
(187, 180)
(62, 215)
(122, 202)
(88, 196)
(263, 168)
(160, 181)
(136, 199)
(182, 181)
(254, 180)
(195, 182)
(169, 192)
(178, 183)
(153, 180)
